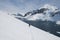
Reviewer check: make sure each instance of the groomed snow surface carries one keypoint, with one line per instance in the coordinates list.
(14, 29)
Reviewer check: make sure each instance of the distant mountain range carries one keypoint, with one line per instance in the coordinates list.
(47, 12)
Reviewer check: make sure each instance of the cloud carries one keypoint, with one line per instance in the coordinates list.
(8, 6)
(23, 6)
(58, 22)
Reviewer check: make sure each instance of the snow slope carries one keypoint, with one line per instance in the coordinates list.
(14, 29)
(39, 34)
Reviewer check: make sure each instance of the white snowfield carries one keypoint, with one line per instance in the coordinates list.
(14, 29)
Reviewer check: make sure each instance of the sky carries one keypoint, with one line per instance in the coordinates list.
(23, 6)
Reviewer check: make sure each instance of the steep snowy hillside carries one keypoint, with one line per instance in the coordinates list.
(39, 34)
(14, 29)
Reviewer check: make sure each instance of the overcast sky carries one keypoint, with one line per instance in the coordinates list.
(23, 6)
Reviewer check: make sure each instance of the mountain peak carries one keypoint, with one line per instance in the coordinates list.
(47, 12)
(51, 7)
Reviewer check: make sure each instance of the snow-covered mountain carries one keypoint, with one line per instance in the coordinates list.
(47, 12)
(14, 29)
(45, 18)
